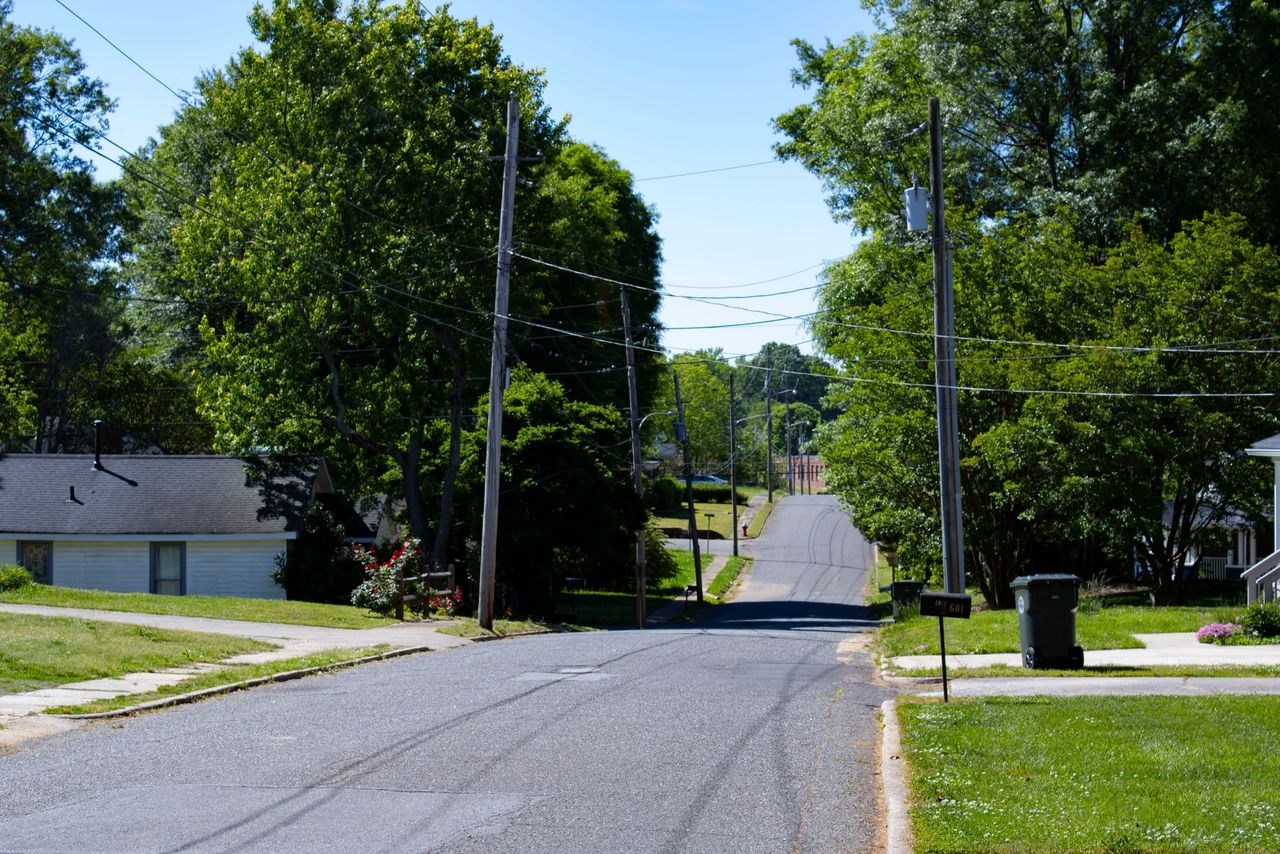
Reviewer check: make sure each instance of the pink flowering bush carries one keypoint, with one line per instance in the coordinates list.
(1218, 632)
(380, 589)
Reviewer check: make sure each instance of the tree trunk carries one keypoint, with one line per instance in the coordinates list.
(439, 554)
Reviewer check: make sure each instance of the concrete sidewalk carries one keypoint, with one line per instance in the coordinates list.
(1177, 649)
(292, 641)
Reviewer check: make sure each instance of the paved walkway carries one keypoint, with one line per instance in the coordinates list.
(292, 642)
(1177, 649)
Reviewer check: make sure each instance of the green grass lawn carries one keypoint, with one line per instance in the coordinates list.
(1094, 774)
(219, 678)
(37, 652)
(721, 519)
(1111, 627)
(216, 607)
(602, 608)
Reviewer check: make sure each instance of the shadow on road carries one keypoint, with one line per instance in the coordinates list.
(786, 616)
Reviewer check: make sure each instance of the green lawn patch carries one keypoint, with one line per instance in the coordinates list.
(215, 607)
(38, 652)
(997, 631)
(327, 659)
(721, 519)
(1001, 671)
(467, 627)
(724, 579)
(1094, 774)
(758, 520)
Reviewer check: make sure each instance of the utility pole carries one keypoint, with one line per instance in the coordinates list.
(768, 428)
(733, 463)
(497, 374)
(636, 478)
(683, 435)
(944, 357)
(791, 485)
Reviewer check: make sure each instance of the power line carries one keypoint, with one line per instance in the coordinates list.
(709, 171)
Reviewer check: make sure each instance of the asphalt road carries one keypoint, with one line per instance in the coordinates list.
(755, 732)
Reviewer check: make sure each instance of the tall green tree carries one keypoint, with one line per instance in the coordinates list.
(322, 221)
(567, 508)
(1164, 109)
(704, 389)
(59, 234)
(1070, 363)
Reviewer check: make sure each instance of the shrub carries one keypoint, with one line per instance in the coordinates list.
(380, 589)
(318, 566)
(1261, 620)
(13, 577)
(1217, 632)
(659, 565)
(664, 495)
(717, 493)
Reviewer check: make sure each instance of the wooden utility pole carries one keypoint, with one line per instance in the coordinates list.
(944, 358)
(636, 477)
(497, 375)
(733, 463)
(768, 428)
(791, 480)
(682, 433)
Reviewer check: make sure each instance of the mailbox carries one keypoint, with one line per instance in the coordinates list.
(934, 604)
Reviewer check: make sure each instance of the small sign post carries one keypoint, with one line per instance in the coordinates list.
(943, 605)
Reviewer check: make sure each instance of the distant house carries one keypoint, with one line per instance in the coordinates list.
(1262, 579)
(179, 525)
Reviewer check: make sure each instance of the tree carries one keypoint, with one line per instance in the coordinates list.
(326, 216)
(568, 508)
(1063, 438)
(59, 233)
(784, 367)
(704, 389)
(1163, 109)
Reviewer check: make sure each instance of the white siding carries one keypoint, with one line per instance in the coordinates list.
(122, 567)
(233, 568)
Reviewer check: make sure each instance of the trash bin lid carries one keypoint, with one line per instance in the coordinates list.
(1024, 581)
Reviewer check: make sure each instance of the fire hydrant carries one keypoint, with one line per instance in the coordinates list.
(744, 530)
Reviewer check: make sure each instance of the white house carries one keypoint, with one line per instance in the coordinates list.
(180, 525)
(1262, 579)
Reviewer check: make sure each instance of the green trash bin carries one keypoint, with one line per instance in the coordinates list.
(905, 595)
(1047, 620)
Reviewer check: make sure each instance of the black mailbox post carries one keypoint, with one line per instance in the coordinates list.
(943, 605)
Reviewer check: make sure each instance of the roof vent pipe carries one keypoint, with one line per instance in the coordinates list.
(72, 496)
(97, 447)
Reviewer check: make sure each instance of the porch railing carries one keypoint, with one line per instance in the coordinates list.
(1262, 579)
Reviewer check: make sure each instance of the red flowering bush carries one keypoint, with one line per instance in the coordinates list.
(446, 602)
(380, 589)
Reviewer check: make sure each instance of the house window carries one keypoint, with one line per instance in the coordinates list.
(37, 559)
(169, 568)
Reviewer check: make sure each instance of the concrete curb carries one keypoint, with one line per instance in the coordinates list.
(284, 676)
(485, 638)
(893, 777)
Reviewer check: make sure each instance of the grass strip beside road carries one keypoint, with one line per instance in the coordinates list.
(1004, 671)
(997, 631)
(214, 607)
(467, 627)
(40, 652)
(327, 659)
(724, 579)
(1094, 774)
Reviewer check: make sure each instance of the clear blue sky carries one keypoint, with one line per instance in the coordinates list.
(663, 86)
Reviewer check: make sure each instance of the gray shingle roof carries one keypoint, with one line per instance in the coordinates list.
(1269, 447)
(151, 494)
